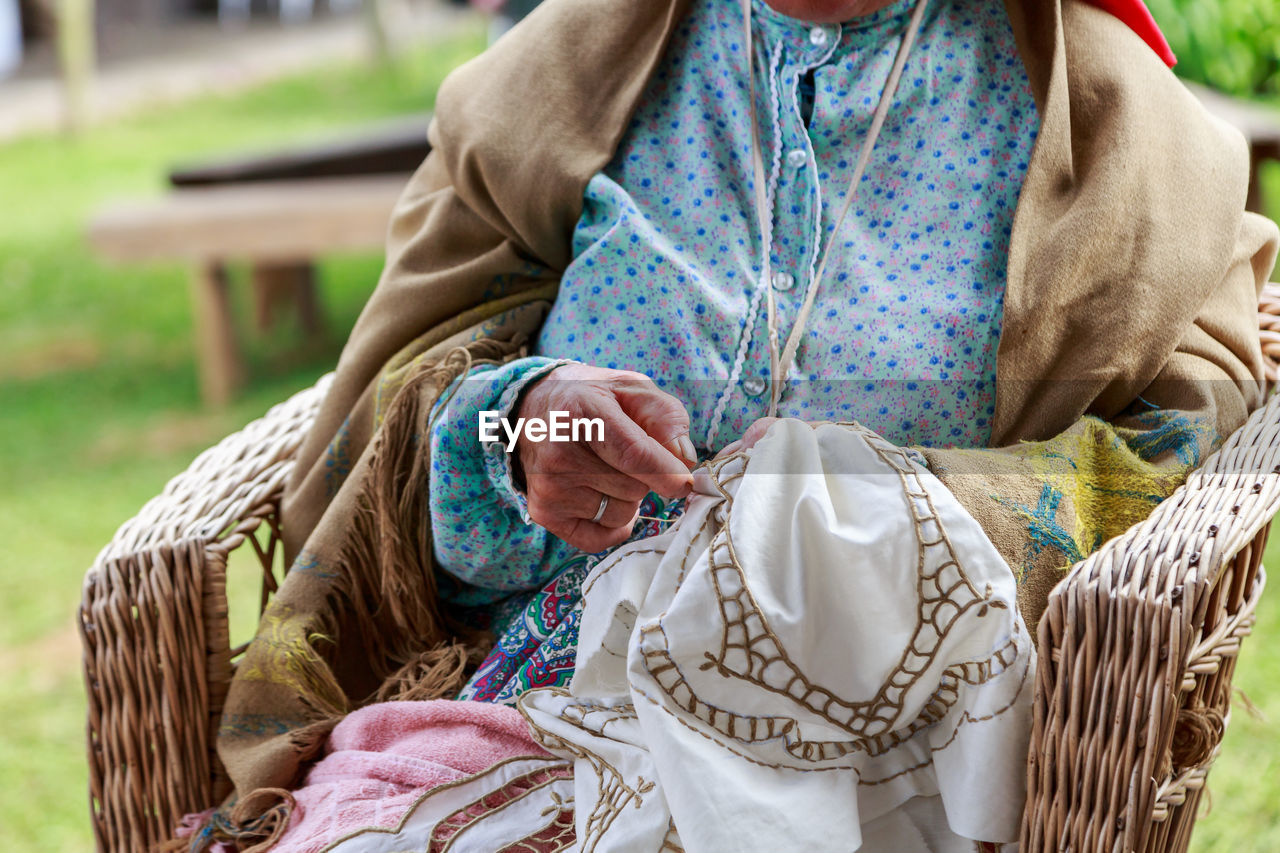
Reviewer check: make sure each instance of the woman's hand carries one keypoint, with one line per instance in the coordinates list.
(645, 448)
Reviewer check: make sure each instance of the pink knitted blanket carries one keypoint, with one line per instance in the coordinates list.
(428, 775)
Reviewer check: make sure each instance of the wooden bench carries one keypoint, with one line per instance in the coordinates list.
(278, 213)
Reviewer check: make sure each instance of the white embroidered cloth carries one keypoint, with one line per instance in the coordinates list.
(823, 654)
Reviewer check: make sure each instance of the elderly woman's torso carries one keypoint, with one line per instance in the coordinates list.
(904, 331)
(666, 257)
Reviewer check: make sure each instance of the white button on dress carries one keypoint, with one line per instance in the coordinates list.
(817, 37)
(754, 386)
(797, 158)
(783, 281)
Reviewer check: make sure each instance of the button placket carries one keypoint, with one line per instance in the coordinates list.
(802, 191)
(798, 199)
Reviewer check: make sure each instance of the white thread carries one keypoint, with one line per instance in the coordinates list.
(766, 237)
(811, 165)
(780, 363)
(785, 359)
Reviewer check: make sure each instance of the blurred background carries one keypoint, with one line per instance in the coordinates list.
(138, 326)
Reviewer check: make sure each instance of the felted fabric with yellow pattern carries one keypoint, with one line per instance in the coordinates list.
(1047, 505)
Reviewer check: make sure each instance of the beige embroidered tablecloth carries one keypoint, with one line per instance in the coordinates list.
(823, 654)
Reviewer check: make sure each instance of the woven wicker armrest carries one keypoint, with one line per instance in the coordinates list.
(1136, 653)
(153, 620)
(1137, 647)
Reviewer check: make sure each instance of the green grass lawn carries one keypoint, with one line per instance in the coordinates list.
(1244, 787)
(99, 407)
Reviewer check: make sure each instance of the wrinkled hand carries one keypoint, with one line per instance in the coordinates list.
(646, 447)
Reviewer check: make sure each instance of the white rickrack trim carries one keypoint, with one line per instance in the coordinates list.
(766, 237)
(775, 167)
(781, 362)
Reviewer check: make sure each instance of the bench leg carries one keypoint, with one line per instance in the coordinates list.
(1253, 201)
(274, 284)
(219, 360)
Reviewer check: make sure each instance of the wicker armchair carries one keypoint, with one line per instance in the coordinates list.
(1137, 648)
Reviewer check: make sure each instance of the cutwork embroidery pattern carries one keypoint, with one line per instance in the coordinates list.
(447, 830)
(615, 792)
(751, 652)
(705, 653)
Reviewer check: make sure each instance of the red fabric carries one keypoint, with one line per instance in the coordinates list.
(1135, 14)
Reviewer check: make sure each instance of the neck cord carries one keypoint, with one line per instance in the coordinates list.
(780, 362)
